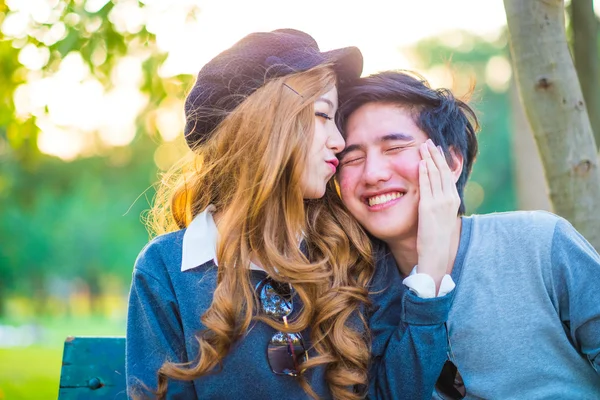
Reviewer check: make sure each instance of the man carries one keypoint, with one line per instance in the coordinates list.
(525, 319)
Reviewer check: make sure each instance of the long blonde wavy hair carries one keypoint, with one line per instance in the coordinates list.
(250, 170)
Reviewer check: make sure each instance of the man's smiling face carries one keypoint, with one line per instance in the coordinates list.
(379, 170)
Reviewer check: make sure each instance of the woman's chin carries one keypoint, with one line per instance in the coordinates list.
(314, 193)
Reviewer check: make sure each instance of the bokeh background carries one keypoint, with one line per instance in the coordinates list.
(91, 113)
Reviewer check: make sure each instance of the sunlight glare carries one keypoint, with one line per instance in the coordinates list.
(167, 154)
(73, 68)
(93, 6)
(474, 194)
(118, 114)
(170, 119)
(68, 109)
(127, 16)
(34, 58)
(498, 72)
(128, 72)
(57, 32)
(40, 11)
(15, 24)
(439, 76)
(64, 143)
(32, 97)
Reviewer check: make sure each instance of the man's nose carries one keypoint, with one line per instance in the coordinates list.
(376, 170)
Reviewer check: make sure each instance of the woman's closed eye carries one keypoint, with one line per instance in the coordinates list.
(323, 115)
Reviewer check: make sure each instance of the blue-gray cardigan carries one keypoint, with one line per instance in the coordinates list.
(165, 306)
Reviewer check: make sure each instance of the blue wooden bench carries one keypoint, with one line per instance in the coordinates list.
(93, 368)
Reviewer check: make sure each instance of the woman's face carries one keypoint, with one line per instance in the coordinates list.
(327, 141)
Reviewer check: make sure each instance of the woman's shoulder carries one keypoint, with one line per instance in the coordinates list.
(162, 255)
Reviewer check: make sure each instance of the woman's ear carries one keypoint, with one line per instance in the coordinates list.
(457, 163)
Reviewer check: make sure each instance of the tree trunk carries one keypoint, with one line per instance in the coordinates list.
(554, 106)
(587, 60)
(532, 190)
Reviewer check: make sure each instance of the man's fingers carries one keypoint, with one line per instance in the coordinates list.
(448, 181)
(446, 177)
(432, 170)
(424, 184)
(437, 156)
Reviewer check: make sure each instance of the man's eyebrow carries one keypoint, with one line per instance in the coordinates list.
(329, 102)
(349, 149)
(397, 136)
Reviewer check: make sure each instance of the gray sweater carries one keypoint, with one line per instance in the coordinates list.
(525, 322)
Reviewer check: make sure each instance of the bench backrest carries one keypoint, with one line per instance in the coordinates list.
(93, 368)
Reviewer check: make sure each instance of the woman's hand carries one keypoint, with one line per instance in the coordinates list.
(438, 212)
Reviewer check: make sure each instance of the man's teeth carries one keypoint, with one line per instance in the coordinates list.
(384, 198)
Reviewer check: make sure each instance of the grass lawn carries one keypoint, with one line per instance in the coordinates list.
(30, 373)
(34, 372)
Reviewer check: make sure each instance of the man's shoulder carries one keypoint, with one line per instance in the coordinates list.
(524, 221)
(513, 230)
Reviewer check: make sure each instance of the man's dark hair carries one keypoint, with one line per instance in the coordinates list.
(448, 121)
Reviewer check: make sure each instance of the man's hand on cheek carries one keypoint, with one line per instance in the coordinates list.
(438, 210)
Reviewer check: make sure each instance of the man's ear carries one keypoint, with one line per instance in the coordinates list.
(457, 163)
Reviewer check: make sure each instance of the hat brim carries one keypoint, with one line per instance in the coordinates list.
(347, 63)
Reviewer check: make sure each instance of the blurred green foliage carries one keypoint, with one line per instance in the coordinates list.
(78, 219)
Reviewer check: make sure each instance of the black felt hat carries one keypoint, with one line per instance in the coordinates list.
(226, 80)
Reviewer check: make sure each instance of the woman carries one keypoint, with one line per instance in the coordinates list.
(260, 296)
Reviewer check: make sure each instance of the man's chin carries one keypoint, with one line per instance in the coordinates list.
(389, 233)
(382, 234)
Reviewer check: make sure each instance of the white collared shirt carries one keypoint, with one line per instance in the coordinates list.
(200, 241)
(423, 285)
(200, 246)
